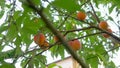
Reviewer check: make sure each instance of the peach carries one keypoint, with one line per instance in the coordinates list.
(46, 44)
(106, 35)
(39, 39)
(75, 45)
(103, 25)
(81, 16)
(56, 39)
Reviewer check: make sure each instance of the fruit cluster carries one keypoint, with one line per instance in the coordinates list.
(40, 40)
(74, 44)
(103, 25)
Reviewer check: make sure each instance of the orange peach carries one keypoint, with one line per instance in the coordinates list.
(39, 39)
(103, 25)
(106, 35)
(81, 16)
(56, 39)
(75, 45)
(46, 44)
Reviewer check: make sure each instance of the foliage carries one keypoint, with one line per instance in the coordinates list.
(20, 23)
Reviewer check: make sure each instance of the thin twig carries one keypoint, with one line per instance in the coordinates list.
(94, 13)
(38, 53)
(77, 30)
(85, 3)
(62, 22)
(88, 35)
(113, 36)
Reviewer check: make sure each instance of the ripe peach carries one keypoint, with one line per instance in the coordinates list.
(39, 39)
(75, 44)
(81, 16)
(56, 39)
(45, 46)
(36, 39)
(106, 35)
(103, 25)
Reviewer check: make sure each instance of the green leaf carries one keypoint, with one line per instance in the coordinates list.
(54, 51)
(96, 3)
(12, 32)
(18, 51)
(6, 65)
(110, 65)
(26, 38)
(18, 41)
(99, 49)
(92, 61)
(1, 13)
(69, 5)
(17, 14)
(57, 50)
(7, 54)
(2, 4)
(111, 8)
(27, 9)
(103, 59)
(24, 62)
(3, 28)
(36, 2)
(110, 18)
(19, 21)
(53, 65)
(32, 26)
(41, 59)
(61, 51)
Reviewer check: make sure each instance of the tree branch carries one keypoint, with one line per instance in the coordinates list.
(57, 33)
(113, 36)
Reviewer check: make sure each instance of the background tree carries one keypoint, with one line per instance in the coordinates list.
(23, 21)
